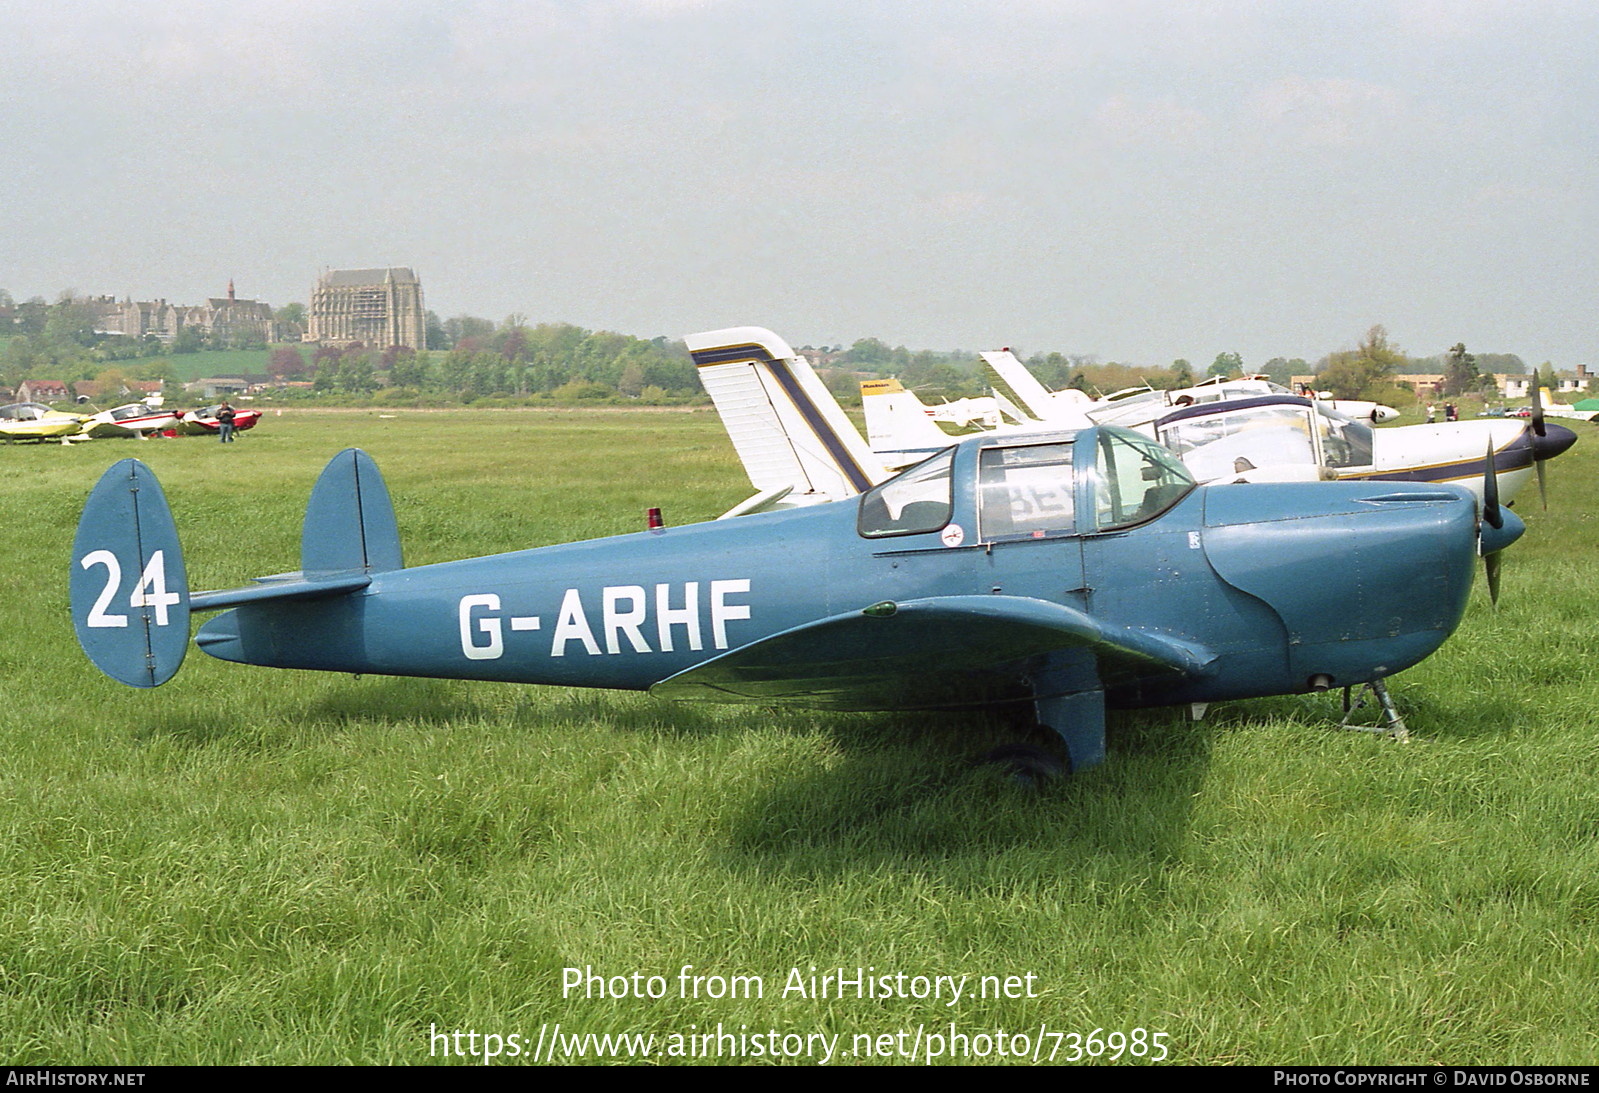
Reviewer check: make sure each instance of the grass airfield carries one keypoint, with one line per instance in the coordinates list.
(258, 866)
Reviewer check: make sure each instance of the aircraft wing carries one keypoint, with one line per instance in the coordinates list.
(937, 652)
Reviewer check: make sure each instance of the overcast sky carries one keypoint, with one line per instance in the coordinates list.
(1142, 181)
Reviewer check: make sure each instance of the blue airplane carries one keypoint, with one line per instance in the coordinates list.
(1071, 571)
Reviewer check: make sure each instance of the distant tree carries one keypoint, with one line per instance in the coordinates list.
(355, 374)
(631, 382)
(467, 326)
(325, 362)
(1182, 373)
(286, 363)
(408, 368)
(293, 314)
(513, 339)
(869, 352)
(845, 386)
(1460, 372)
(1282, 371)
(191, 339)
(1353, 373)
(1226, 364)
(1054, 370)
(1505, 363)
(939, 380)
(31, 315)
(111, 383)
(159, 369)
(436, 337)
(72, 320)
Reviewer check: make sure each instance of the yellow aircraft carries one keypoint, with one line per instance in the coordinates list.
(36, 421)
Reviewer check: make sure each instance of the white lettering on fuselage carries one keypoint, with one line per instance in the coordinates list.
(624, 618)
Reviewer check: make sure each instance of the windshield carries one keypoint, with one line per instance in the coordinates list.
(916, 501)
(1137, 408)
(1230, 442)
(1345, 441)
(24, 411)
(1138, 479)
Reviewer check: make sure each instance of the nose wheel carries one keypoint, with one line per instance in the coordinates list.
(1392, 724)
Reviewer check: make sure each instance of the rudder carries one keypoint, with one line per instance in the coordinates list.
(349, 522)
(129, 591)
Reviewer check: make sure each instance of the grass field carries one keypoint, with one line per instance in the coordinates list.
(257, 866)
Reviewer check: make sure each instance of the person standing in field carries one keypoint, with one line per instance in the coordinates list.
(225, 422)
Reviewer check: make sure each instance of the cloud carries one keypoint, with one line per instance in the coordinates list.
(1125, 119)
(1328, 113)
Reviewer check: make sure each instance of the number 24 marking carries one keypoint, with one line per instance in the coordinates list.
(151, 591)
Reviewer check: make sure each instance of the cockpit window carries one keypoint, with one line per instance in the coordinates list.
(915, 501)
(1218, 445)
(1138, 479)
(1026, 491)
(1344, 441)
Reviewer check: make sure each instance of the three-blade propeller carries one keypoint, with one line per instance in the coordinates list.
(1538, 429)
(1494, 517)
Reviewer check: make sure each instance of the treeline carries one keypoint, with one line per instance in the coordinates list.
(512, 360)
(64, 341)
(1368, 371)
(469, 359)
(59, 341)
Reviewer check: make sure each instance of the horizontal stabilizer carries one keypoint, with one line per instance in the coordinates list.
(764, 501)
(129, 592)
(936, 652)
(349, 521)
(294, 588)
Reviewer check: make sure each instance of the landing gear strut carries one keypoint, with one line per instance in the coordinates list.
(1393, 725)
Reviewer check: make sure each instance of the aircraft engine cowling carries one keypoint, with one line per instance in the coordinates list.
(1367, 586)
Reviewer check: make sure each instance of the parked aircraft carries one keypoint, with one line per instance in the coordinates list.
(36, 421)
(1271, 438)
(134, 419)
(795, 442)
(203, 422)
(1543, 402)
(1068, 572)
(1288, 438)
(1138, 407)
(901, 429)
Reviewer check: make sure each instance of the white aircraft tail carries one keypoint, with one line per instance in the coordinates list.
(786, 426)
(899, 426)
(1013, 382)
(1011, 379)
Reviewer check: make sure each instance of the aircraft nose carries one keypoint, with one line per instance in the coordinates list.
(1494, 539)
(1556, 439)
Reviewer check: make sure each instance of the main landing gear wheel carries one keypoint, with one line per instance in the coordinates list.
(1027, 765)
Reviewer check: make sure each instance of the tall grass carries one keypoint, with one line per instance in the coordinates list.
(252, 865)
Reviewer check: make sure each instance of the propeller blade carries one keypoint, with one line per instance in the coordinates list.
(1537, 407)
(1543, 494)
(1491, 564)
(1490, 492)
